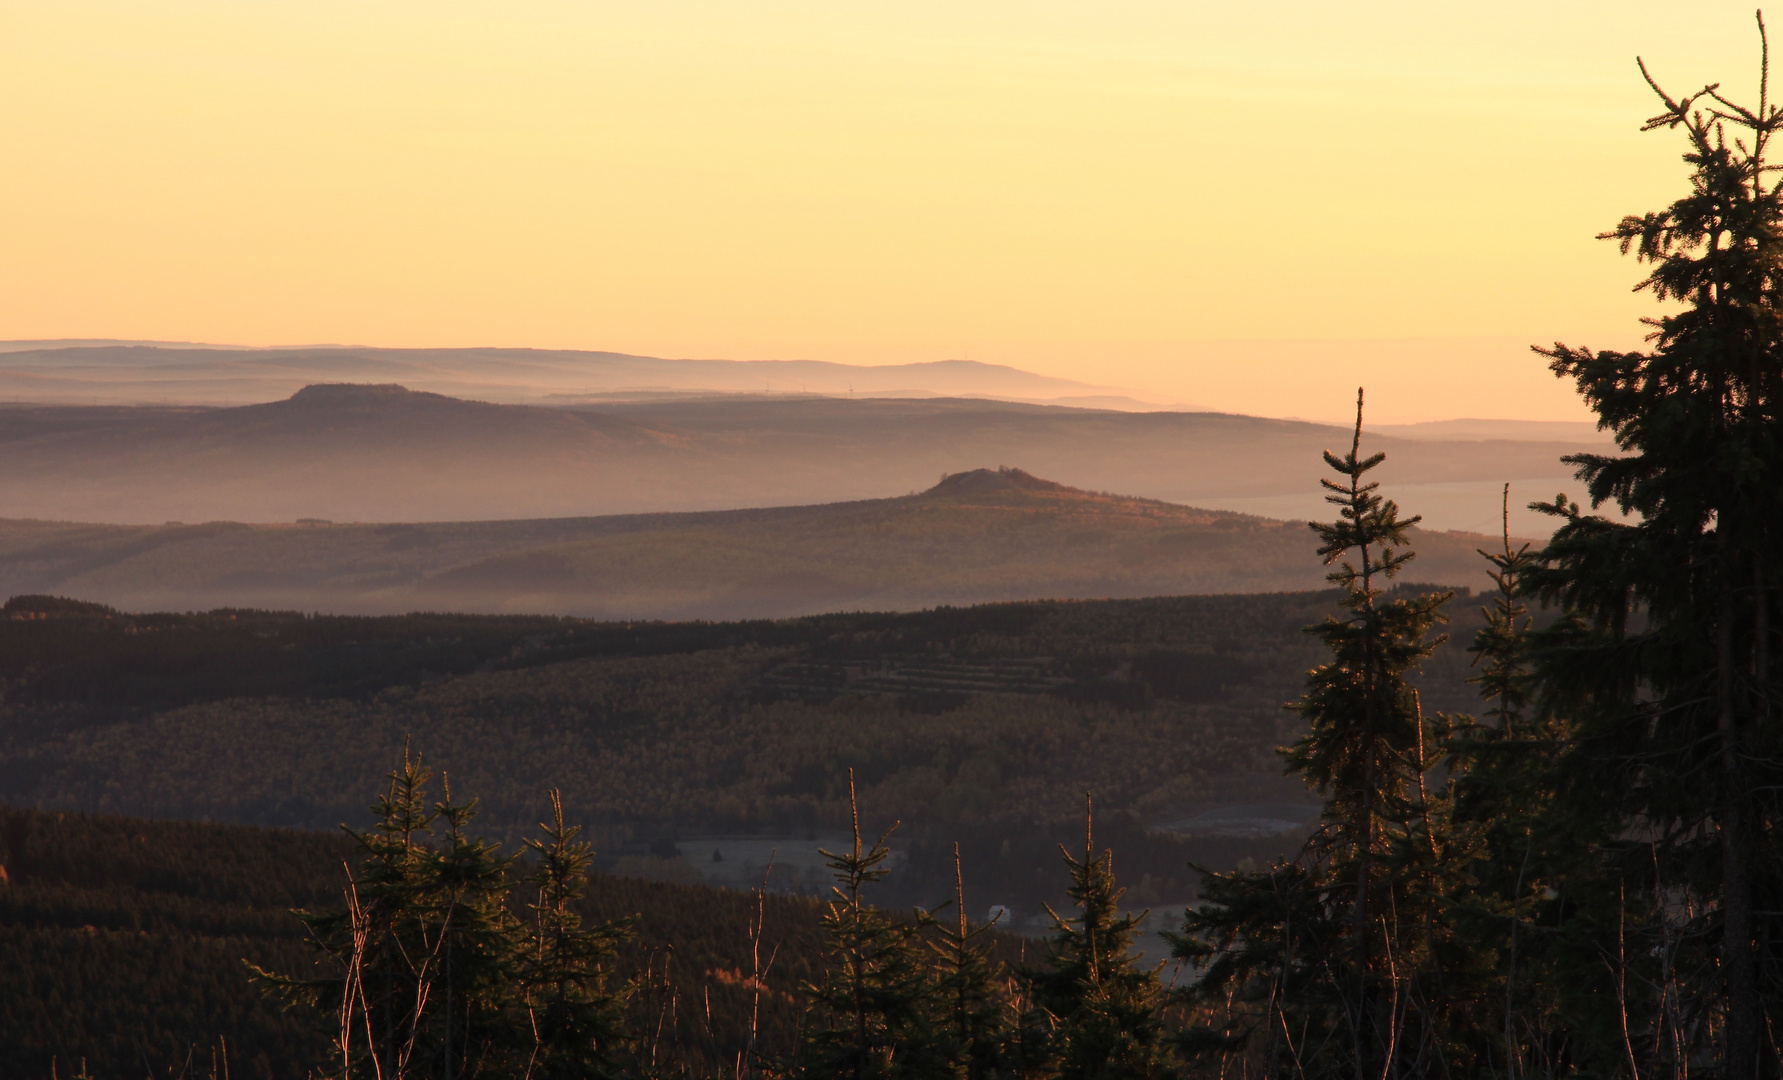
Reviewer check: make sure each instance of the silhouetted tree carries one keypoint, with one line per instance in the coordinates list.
(576, 1020)
(876, 1012)
(1663, 667)
(972, 1009)
(1340, 948)
(428, 973)
(1103, 1010)
(416, 923)
(1501, 812)
(1364, 750)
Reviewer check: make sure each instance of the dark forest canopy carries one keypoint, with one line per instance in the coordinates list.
(979, 724)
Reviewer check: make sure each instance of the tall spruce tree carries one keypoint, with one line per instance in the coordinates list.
(1665, 672)
(1326, 951)
(1364, 750)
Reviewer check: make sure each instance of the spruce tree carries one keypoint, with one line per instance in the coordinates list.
(972, 1013)
(1269, 947)
(1339, 953)
(1664, 667)
(474, 944)
(416, 965)
(877, 1013)
(575, 1019)
(1104, 1011)
(426, 972)
(1364, 750)
(1501, 647)
(1364, 722)
(1510, 920)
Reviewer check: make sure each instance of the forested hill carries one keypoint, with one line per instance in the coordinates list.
(982, 724)
(979, 536)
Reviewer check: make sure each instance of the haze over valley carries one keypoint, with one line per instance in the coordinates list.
(386, 452)
(980, 536)
(136, 373)
(629, 487)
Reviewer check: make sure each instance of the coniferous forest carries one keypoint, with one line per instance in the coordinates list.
(1550, 836)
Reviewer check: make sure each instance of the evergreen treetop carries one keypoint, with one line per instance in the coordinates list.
(967, 982)
(428, 973)
(1103, 1009)
(876, 1013)
(1662, 666)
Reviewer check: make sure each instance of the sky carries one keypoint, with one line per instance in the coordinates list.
(1246, 207)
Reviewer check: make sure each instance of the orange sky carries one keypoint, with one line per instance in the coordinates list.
(1248, 207)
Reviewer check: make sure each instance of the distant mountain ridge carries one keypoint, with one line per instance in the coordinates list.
(131, 373)
(976, 536)
(352, 452)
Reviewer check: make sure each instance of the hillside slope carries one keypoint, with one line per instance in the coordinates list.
(380, 453)
(983, 725)
(984, 535)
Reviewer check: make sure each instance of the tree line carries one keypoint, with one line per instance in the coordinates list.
(1587, 880)
(449, 959)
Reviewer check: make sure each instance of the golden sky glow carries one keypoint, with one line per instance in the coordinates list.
(1248, 207)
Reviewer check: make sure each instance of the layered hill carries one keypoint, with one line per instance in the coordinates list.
(382, 453)
(982, 535)
(134, 372)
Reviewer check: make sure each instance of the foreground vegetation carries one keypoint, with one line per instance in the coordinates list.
(1587, 881)
(123, 943)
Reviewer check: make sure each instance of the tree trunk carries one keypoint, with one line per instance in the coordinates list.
(1739, 966)
(1364, 1013)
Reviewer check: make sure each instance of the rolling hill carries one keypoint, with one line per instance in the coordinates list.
(982, 535)
(382, 453)
(135, 372)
